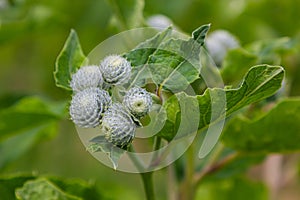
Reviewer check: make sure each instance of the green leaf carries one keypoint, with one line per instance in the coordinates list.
(276, 131)
(42, 189)
(76, 187)
(128, 13)
(236, 63)
(172, 63)
(175, 111)
(270, 51)
(24, 124)
(259, 83)
(216, 104)
(68, 61)
(8, 184)
(17, 145)
(170, 69)
(200, 33)
(233, 188)
(29, 113)
(7, 100)
(176, 63)
(139, 56)
(101, 144)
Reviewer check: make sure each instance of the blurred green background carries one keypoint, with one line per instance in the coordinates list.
(32, 33)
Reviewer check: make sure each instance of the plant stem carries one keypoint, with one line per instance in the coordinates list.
(137, 162)
(187, 189)
(159, 93)
(155, 161)
(148, 185)
(146, 176)
(214, 167)
(190, 169)
(172, 183)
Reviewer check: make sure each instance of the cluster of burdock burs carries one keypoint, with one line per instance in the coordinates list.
(92, 106)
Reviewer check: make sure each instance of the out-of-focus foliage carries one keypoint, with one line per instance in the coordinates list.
(43, 187)
(271, 129)
(33, 32)
(232, 188)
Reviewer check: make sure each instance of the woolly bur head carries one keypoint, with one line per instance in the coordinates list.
(115, 69)
(138, 101)
(86, 77)
(87, 107)
(118, 127)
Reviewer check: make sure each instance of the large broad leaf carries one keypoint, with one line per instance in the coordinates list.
(27, 114)
(233, 188)
(26, 123)
(79, 189)
(128, 13)
(139, 56)
(172, 63)
(276, 131)
(176, 63)
(215, 104)
(260, 82)
(42, 189)
(68, 61)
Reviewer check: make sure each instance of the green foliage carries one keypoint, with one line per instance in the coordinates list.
(140, 56)
(77, 187)
(260, 82)
(232, 70)
(8, 185)
(24, 124)
(173, 63)
(28, 113)
(42, 189)
(101, 144)
(68, 61)
(276, 131)
(31, 187)
(237, 166)
(128, 13)
(28, 47)
(233, 188)
(271, 51)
